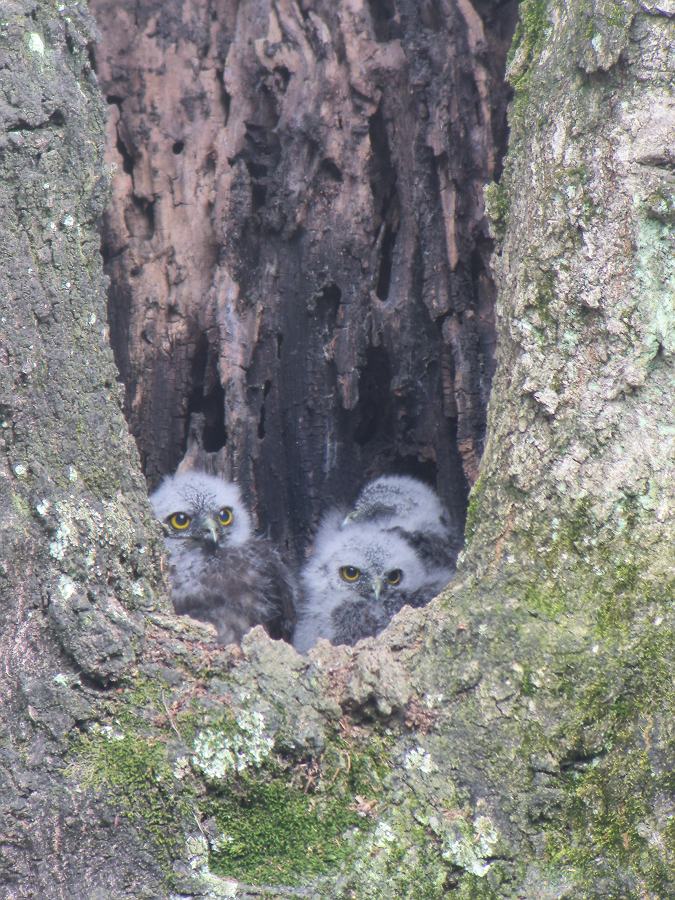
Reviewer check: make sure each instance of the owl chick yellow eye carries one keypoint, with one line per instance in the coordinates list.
(394, 577)
(226, 516)
(350, 573)
(179, 521)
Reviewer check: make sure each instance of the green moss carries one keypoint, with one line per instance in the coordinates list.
(20, 506)
(604, 24)
(272, 832)
(472, 513)
(529, 37)
(546, 598)
(137, 779)
(660, 205)
(398, 858)
(604, 830)
(608, 809)
(528, 686)
(472, 887)
(285, 821)
(596, 567)
(637, 682)
(543, 298)
(497, 205)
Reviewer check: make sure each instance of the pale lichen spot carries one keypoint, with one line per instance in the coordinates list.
(217, 752)
(196, 848)
(181, 767)
(471, 849)
(433, 700)
(67, 587)
(384, 834)
(36, 44)
(213, 885)
(20, 470)
(72, 471)
(230, 888)
(107, 732)
(68, 221)
(418, 759)
(43, 507)
(58, 547)
(220, 841)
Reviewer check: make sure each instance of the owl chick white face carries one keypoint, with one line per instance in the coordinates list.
(200, 508)
(363, 563)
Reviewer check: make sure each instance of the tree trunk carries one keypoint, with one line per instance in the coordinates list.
(78, 553)
(512, 738)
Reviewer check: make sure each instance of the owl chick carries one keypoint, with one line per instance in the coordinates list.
(357, 578)
(412, 509)
(220, 571)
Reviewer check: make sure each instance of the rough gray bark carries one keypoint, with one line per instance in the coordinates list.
(297, 244)
(513, 738)
(78, 560)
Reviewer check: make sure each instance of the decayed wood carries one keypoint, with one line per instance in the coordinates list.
(296, 239)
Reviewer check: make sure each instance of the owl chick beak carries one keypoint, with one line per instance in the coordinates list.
(208, 529)
(377, 587)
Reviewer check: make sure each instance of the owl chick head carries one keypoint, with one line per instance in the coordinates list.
(201, 508)
(400, 501)
(363, 562)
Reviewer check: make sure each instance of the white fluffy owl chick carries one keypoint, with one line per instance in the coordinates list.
(357, 578)
(220, 571)
(411, 508)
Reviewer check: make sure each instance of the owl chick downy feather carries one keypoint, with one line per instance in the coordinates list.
(412, 509)
(220, 571)
(357, 578)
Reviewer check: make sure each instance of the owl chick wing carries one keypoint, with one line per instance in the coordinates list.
(279, 587)
(434, 550)
(229, 613)
(238, 588)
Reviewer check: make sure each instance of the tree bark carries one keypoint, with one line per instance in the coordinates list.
(511, 739)
(297, 245)
(78, 553)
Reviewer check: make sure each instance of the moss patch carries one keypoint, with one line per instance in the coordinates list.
(136, 778)
(610, 803)
(472, 513)
(497, 205)
(284, 821)
(529, 37)
(270, 831)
